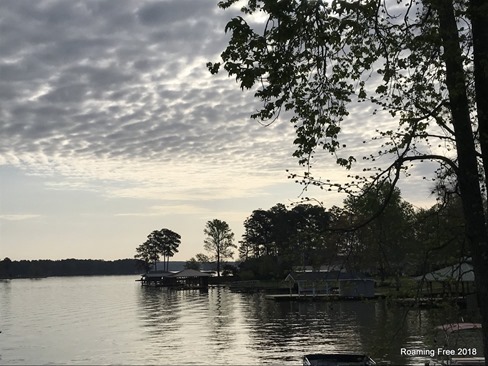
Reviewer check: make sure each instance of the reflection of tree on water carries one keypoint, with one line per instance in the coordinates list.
(301, 327)
(329, 326)
(371, 327)
(250, 328)
(159, 310)
(228, 331)
(5, 305)
(394, 327)
(390, 329)
(220, 316)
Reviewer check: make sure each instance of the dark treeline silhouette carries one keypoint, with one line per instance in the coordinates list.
(67, 267)
(387, 239)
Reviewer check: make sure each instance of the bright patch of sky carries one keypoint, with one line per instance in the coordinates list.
(112, 127)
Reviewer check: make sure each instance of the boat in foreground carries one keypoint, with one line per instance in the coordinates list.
(336, 359)
(464, 355)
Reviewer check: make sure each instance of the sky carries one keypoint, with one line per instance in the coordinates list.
(111, 127)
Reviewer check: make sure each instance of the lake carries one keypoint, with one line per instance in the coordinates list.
(113, 320)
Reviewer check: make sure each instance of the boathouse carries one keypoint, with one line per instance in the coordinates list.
(185, 279)
(457, 279)
(344, 284)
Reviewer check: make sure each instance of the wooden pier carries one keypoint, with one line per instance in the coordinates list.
(424, 302)
(185, 279)
(317, 297)
(429, 302)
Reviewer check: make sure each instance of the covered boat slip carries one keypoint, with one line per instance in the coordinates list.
(185, 279)
(331, 284)
(454, 280)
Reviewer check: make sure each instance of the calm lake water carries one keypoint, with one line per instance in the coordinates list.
(113, 320)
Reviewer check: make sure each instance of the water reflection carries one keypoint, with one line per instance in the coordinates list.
(250, 329)
(158, 310)
(114, 320)
(284, 331)
(194, 327)
(287, 330)
(220, 318)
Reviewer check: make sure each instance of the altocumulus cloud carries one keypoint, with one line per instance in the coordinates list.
(100, 93)
(94, 91)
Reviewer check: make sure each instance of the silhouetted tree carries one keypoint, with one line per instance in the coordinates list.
(296, 236)
(219, 241)
(258, 233)
(149, 251)
(383, 244)
(169, 243)
(440, 238)
(159, 243)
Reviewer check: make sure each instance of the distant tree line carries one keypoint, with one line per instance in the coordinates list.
(67, 267)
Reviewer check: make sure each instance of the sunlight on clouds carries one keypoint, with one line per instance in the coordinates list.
(151, 180)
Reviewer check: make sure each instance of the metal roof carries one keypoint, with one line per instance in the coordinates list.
(183, 273)
(190, 273)
(459, 272)
(328, 276)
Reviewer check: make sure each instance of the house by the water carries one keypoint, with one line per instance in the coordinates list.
(455, 282)
(457, 279)
(343, 284)
(185, 279)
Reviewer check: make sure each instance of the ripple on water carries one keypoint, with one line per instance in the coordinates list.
(113, 320)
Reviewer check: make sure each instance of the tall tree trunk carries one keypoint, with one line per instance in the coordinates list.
(478, 13)
(467, 174)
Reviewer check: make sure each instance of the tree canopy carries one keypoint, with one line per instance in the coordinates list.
(297, 235)
(159, 243)
(424, 62)
(385, 242)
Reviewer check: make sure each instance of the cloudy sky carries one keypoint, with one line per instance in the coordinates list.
(112, 127)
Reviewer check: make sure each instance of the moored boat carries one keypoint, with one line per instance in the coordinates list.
(337, 359)
(458, 355)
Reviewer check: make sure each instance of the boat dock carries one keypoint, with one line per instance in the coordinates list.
(428, 302)
(317, 297)
(406, 302)
(185, 279)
